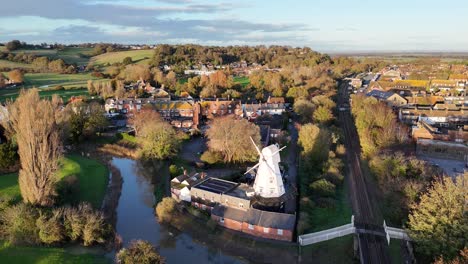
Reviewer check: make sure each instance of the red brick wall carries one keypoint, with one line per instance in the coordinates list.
(228, 223)
(272, 233)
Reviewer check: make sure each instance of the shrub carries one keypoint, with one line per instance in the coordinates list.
(174, 170)
(19, 224)
(50, 227)
(58, 88)
(73, 222)
(211, 157)
(323, 187)
(326, 202)
(165, 209)
(141, 252)
(94, 229)
(8, 155)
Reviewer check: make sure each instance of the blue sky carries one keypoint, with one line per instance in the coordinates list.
(324, 25)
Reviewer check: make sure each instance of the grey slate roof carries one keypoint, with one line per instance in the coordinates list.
(257, 217)
(229, 213)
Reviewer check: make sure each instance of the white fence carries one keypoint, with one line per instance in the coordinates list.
(324, 235)
(328, 234)
(345, 230)
(396, 233)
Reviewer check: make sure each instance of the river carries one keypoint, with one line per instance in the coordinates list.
(136, 219)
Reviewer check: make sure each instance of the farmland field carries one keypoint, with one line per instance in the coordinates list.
(138, 56)
(71, 82)
(13, 65)
(70, 55)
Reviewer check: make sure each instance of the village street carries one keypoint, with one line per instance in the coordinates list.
(291, 160)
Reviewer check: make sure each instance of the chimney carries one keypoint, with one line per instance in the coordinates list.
(185, 172)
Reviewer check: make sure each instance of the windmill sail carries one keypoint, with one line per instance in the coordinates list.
(268, 182)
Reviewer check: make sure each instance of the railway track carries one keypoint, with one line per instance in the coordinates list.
(373, 247)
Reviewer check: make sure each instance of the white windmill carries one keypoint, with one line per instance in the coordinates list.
(268, 181)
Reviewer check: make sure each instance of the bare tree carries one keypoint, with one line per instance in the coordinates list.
(230, 137)
(34, 122)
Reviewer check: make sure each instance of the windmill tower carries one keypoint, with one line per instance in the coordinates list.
(268, 181)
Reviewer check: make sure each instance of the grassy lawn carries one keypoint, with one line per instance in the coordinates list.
(243, 80)
(43, 255)
(9, 186)
(92, 175)
(138, 56)
(338, 250)
(325, 218)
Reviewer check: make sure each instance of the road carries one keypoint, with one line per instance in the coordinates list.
(291, 160)
(373, 247)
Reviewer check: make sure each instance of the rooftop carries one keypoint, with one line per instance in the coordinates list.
(215, 185)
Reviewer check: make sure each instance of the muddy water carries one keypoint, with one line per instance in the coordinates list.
(136, 220)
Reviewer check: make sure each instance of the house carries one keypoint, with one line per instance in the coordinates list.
(432, 116)
(275, 100)
(442, 149)
(212, 191)
(424, 130)
(459, 77)
(181, 185)
(271, 225)
(428, 101)
(396, 100)
(211, 108)
(444, 85)
(415, 86)
(252, 111)
(392, 73)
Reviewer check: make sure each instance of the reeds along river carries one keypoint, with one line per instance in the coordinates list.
(136, 218)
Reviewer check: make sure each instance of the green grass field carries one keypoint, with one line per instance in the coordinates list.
(92, 176)
(44, 255)
(74, 84)
(242, 80)
(325, 218)
(70, 55)
(46, 80)
(138, 56)
(9, 186)
(14, 65)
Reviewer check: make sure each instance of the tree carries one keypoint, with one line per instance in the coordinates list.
(134, 72)
(439, 222)
(41, 63)
(16, 76)
(322, 115)
(13, 45)
(127, 61)
(91, 88)
(158, 139)
(304, 108)
(57, 66)
(165, 209)
(141, 252)
(231, 138)
(315, 143)
(39, 146)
